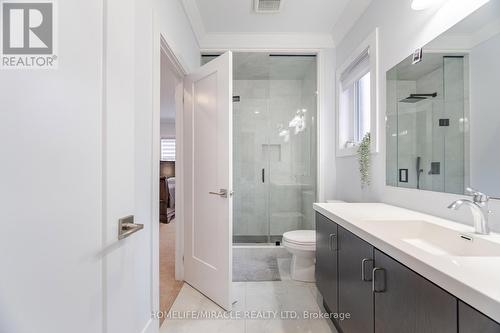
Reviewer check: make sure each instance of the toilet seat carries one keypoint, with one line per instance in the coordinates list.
(303, 239)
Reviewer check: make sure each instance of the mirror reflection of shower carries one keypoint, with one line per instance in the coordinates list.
(415, 98)
(419, 171)
(425, 113)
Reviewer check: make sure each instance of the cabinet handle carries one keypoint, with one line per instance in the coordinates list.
(364, 277)
(374, 280)
(330, 244)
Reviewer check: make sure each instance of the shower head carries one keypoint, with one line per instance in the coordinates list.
(415, 98)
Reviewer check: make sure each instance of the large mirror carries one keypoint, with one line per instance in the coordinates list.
(443, 110)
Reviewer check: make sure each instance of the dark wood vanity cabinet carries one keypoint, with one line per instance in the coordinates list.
(406, 302)
(355, 265)
(473, 321)
(381, 294)
(326, 261)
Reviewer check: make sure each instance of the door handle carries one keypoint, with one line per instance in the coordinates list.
(127, 227)
(330, 242)
(222, 193)
(363, 269)
(374, 280)
(263, 173)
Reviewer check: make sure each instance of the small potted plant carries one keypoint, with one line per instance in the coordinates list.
(364, 160)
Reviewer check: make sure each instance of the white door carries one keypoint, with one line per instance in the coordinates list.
(208, 175)
(127, 139)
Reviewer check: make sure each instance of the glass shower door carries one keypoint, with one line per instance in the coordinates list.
(274, 145)
(250, 161)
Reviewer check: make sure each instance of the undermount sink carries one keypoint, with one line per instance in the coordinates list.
(436, 239)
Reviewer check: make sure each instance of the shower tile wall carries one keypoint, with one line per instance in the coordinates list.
(265, 109)
(406, 125)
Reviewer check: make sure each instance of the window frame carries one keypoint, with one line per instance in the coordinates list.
(349, 123)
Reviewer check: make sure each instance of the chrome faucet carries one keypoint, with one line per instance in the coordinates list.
(479, 209)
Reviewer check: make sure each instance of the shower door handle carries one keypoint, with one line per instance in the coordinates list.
(263, 174)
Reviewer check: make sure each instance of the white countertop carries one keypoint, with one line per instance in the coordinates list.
(468, 270)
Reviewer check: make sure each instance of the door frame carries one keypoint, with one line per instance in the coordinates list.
(161, 46)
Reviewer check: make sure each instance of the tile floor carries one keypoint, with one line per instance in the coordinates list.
(273, 297)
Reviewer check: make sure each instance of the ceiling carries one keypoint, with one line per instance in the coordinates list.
(220, 22)
(237, 16)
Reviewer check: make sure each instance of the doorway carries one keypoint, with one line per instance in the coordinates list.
(170, 278)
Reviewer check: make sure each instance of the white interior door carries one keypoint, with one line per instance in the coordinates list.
(208, 174)
(127, 166)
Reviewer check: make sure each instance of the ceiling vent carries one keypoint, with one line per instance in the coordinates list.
(267, 6)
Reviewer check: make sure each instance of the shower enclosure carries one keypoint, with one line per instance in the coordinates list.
(274, 145)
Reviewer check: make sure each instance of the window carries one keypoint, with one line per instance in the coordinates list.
(167, 150)
(362, 107)
(356, 112)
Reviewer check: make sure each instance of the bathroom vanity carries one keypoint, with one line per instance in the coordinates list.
(396, 270)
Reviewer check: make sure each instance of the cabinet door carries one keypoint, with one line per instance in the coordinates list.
(355, 262)
(326, 261)
(406, 302)
(473, 321)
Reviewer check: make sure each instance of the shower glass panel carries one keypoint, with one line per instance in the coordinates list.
(274, 145)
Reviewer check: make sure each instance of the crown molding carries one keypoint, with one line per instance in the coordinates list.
(242, 41)
(223, 41)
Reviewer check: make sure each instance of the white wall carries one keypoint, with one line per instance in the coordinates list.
(178, 33)
(168, 82)
(62, 266)
(326, 125)
(401, 31)
(167, 129)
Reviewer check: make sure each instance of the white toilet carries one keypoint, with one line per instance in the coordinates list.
(302, 245)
